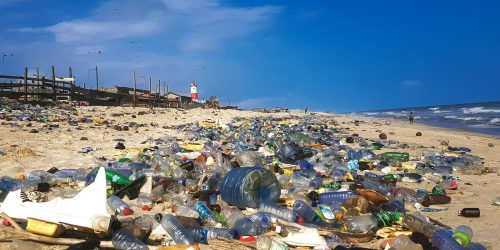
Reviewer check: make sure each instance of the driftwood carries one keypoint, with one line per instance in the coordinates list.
(231, 244)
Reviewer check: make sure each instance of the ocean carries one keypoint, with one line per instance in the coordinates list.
(477, 117)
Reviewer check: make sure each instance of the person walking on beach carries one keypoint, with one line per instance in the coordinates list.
(410, 117)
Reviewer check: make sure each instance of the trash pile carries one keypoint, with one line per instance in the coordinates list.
(260, 183)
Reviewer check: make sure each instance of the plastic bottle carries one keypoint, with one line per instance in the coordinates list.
(396, 156)
(265, 242)
(463, 235)
(475, 246)
(175, 229)
(144, 201)
(442, 240)
(73, 174)
(116, 178)
(360, 223)
(205, 213)
(255, 224)
(403, 242)
(331, 197)
(433, 199)
(231, 215)
(249, 187)
(202, 235)
(278, 211)
(416, 223)
(118, 205)
(124, 239)
(306, 212)
(470, 212)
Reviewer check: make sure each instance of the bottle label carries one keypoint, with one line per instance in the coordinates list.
(327, 212)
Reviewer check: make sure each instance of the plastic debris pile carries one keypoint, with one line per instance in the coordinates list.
(267, 183)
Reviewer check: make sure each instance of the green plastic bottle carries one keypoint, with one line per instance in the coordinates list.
(396, 156)
(117, 178)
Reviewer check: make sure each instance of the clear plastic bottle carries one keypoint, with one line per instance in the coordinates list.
(360, 223)
(202, 235)
(249, 187)
(442, 240)
(463, 235)
(331, 197)
(203, 211)
(255, 224)
(118, 205)
(144, 201)
(73, 174)
(403, 242)
(124, 239)
(176, 230)
(231, 215)
(278, 211)
(306, 212)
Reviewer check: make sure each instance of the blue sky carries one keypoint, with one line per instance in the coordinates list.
(324, 55)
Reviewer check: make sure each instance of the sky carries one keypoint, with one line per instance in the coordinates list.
(333, 56)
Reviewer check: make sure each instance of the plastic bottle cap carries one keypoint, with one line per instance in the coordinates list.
(300, 220)
(247, 238)
(127, 211)
(145, 207)
(6, 222)
(22, 177)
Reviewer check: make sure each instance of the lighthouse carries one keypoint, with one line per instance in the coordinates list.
(194, 92)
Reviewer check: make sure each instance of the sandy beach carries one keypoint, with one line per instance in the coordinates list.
(59, 145)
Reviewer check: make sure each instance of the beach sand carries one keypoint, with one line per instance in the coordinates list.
(59, 148)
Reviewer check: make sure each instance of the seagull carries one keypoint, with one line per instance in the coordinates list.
(99, 52)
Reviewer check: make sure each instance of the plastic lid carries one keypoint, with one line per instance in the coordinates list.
(5, 222)
(145, 207)
(127, 211)
(300, 220)
(247, 238)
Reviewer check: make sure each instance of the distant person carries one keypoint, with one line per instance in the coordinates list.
(411, 118)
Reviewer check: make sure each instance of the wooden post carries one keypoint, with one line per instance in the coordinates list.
(168, 101)
(158, 91)
(38, 83)
(135, 92)
(25, 84)
(54, 98)
(149, 97)
(72, 84)
(96, 79)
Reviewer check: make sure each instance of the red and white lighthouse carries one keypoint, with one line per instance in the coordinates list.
(194, 92)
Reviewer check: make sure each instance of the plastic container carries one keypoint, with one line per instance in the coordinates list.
(470, 212)
(175, 229)
(463, 235)
(418, 224)
(442, 240)
(306, 212)
(255, 224)
(232, 215)
(360, 223)
(331, 197)
(249, 187)
(44, 228)
(124, 239)
(278, 211)
(118, 205)
(202, 235)
(403, 242)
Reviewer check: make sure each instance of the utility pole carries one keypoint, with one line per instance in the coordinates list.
(96, 79)
(149, 97)
(135, 92)
(72, 83)
(158, 90)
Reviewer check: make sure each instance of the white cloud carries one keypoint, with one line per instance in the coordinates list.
(192, 25)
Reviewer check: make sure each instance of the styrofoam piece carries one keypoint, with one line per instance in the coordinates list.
(81, 210)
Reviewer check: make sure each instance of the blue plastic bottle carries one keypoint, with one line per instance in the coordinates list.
(306, 212)
(334, 197)
(442, 240)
